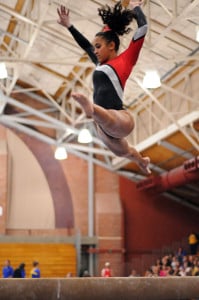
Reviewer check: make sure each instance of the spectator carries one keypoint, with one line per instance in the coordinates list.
(69, 274)
(193, 243)
(86, 274)
(106, 271)
(133, 273)
(195, 268)
(177, 271)
(35, 272)
(7, 271)
(179, 264)
(156, 269)
(175, 263)
(148, 273)
(163, 271)
(170, 271)
(180, 255)
(20, 271)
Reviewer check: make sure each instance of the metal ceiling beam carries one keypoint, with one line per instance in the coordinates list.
(168, 114)
(9, 122)
(190, 7)
(59, 125)
(59, 102)
(74, 149)
(178, 150)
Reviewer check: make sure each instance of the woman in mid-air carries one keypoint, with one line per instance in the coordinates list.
(113, 122)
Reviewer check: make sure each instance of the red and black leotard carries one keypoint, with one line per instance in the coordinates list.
(109, 79)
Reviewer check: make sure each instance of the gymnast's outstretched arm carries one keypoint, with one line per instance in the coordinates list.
(64, 20)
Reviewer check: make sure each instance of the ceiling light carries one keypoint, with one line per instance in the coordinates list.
(3, 71)
(60, 153)
(85, 136)
(151, 80)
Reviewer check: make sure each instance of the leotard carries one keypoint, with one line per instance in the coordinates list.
(109, 79)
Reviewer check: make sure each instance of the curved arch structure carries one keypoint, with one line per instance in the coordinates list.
(62, 199)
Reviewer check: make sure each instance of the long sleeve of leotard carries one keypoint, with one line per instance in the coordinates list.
(124, 63)
(141, 22)
(139, 16)
(83, 43)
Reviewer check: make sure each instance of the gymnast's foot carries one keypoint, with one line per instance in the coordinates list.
(84, 102)
(144, 166)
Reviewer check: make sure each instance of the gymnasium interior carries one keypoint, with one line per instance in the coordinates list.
(77, 212)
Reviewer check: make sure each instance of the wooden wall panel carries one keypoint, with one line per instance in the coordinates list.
(55, 260)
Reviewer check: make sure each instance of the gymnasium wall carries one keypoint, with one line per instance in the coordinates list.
(153, 222)
(46, 197)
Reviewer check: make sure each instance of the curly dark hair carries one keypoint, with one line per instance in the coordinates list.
(117, 18)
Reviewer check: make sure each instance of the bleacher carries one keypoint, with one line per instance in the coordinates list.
(55, 259)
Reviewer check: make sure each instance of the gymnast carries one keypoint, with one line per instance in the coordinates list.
(113, 122)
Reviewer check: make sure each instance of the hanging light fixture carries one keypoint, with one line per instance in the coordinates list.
(60, 153)
(84, 136)
(1, 210)
(151, 80)
(3, 71)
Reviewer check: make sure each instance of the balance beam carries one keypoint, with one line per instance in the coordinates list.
(94, 288)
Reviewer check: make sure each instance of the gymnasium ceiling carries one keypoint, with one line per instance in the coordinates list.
(44, 65)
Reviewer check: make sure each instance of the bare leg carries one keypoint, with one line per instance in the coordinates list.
(86, 104)
(120, 147)
(113, 126)
(116, 123)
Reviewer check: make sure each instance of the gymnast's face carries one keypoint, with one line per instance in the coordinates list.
(103, 49)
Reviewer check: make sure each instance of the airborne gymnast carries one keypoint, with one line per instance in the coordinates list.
(113, 122)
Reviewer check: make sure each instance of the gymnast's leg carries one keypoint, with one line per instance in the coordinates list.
(121, 147)
(113, 126)
(116, 123)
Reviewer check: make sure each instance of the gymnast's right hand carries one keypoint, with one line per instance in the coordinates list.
(64, 19)
(133, 4)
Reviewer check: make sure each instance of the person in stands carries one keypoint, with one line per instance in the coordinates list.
(193, 243)
(106, 271)
(20, 271)
(7, 271)
(35, 272)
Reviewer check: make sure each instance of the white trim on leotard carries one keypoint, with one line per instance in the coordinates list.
(113, 78)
